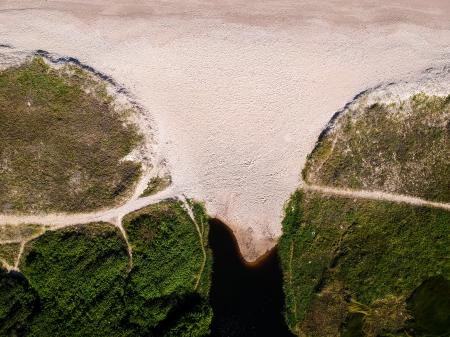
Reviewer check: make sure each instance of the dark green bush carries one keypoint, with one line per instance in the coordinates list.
(17, 302)
(79, 274)
(167, 262)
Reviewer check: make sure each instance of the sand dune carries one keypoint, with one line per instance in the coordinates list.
(239, 91)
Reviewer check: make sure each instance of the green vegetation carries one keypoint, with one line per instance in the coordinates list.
(194, 319)
(79, 274)
(351, 266)
(156, 184)
(360, 268)
(62, 141)
(402, 148)
(76, 280)
(167, 263)
(204, 281)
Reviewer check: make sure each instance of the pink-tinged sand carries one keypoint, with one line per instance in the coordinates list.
(238, 91)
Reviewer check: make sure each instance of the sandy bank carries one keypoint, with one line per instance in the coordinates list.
(239, 91)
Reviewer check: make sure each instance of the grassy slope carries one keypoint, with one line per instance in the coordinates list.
(77, 280)
(167, 259)
(402, 148)
(61, 147)
(342, 257)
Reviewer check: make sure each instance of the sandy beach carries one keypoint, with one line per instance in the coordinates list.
(238, 91)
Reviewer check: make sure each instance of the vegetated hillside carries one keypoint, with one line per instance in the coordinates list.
(368, 268)
(62, 141)
(168, 287)
(76, 281)
(400, 147)
(365, 268)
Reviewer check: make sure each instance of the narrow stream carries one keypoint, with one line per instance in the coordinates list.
(247, 300)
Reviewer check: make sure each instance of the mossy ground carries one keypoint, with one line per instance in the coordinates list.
(400, 147)
(344, 257)
(76, 280)
(62, 141)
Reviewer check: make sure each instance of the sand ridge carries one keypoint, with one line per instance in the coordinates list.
(238, 93)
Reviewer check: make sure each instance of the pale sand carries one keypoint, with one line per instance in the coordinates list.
(238, 91)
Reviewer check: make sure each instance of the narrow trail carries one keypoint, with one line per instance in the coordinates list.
(23, 242)
(376, 195)
(291, 256)
(60, 220)
(118, 223)
(115, 215)
(200, 235)
(19, 256)
(6, 265)
(6, 242)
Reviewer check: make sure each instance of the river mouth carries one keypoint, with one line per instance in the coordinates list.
(247, 299)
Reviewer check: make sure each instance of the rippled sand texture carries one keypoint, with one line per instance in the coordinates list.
(239, 90)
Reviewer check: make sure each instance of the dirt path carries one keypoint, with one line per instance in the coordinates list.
(200, 235)
(118, 223)
(6, 265)
(377, 195)
(291, 255)
(115, 215)
(22, 248)
(60, 220)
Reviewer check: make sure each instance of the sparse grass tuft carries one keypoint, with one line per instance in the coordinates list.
(19, 232)
(9, 253)
(157, 184)
(62, 141)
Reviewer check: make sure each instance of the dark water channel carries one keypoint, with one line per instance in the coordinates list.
(247, 299)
